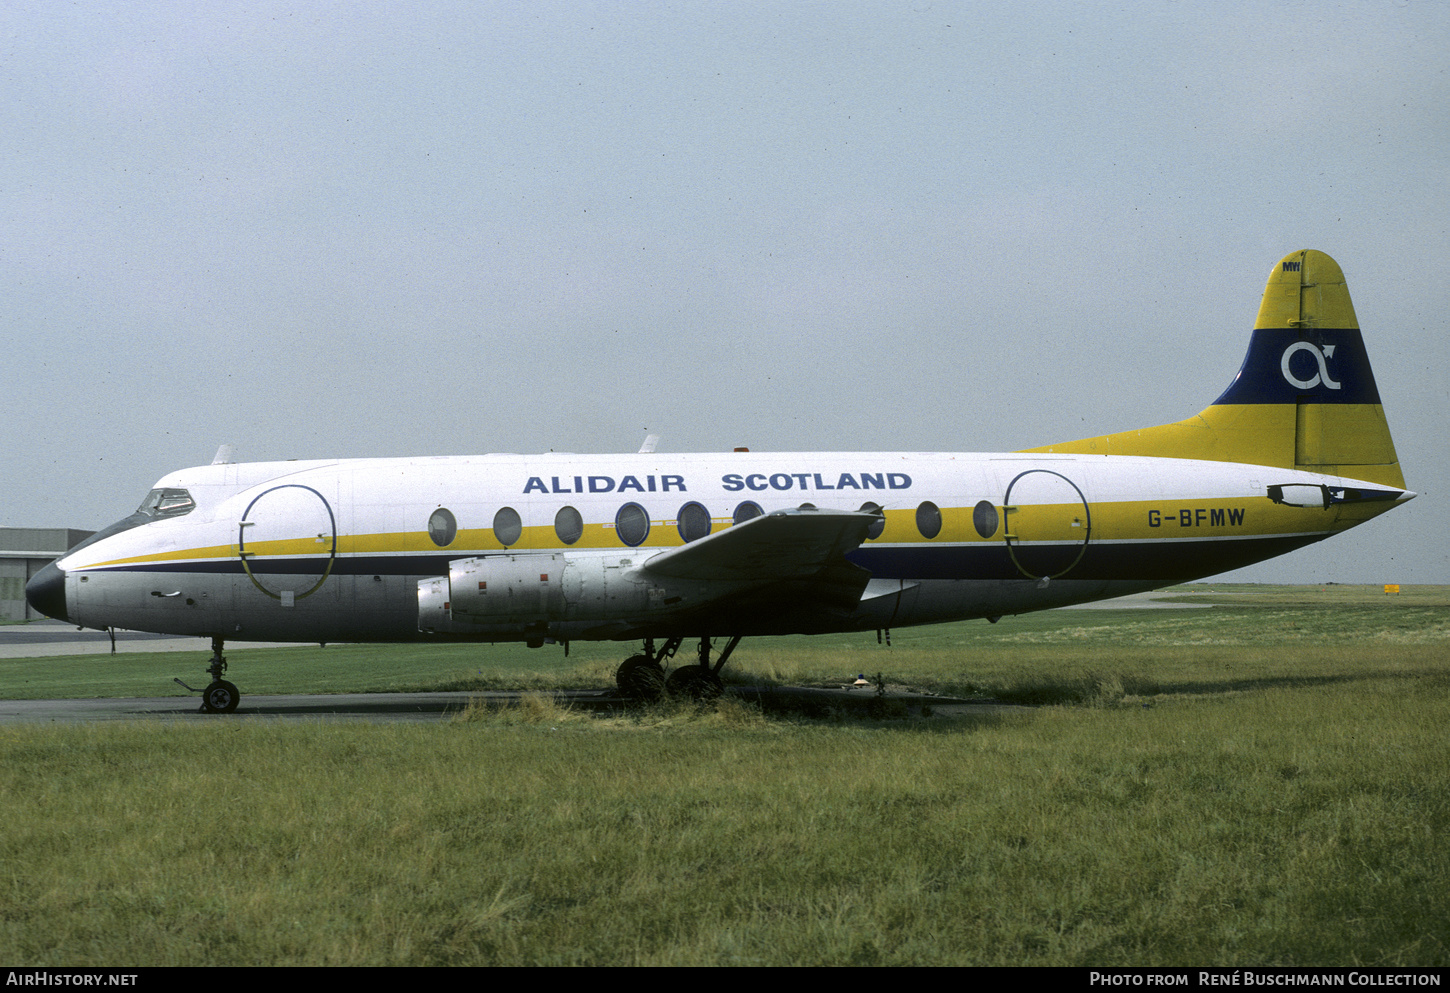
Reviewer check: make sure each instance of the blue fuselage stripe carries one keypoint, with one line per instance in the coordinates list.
(1101, 560)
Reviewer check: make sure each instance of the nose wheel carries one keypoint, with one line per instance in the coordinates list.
(220, 696)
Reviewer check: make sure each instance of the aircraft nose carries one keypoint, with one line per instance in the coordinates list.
(46, 592)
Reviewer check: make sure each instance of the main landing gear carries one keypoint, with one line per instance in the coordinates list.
(220, 696)
(642, 677)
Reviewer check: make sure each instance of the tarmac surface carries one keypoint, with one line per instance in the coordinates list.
(46, 637)
(393, 707)
(331, 706)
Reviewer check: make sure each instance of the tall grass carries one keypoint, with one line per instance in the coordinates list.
(1289, 825)
(1275, 800)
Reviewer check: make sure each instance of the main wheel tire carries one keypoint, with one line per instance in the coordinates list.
(640, 677)
(221, 697)
(695, 682)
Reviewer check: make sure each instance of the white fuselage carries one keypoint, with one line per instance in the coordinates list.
(352, 550)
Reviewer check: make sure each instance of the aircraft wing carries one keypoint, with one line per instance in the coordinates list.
(784, 545)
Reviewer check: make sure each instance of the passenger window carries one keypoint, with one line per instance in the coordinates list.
(694, 521)
(874, 531)
(746, 511)
(631, 524)
(442, 527)
(568, 525)
(507, 527)
(984, 518)
(928, 519)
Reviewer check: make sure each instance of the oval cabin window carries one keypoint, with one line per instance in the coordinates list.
(631, 524)
(442, 527)
(984, 518)
(746, 511)
(694, 521)
(568, 525)
(874, 531)
(928, 519)
(507, 527)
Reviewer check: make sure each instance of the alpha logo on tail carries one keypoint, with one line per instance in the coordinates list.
(1320, 355)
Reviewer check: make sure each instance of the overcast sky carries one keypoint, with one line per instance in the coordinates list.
(352, 229)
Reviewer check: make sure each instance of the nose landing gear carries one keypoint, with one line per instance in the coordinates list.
(220, 696)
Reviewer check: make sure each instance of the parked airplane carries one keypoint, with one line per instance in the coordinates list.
(655, 547)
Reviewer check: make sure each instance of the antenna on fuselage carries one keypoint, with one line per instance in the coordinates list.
(225, 455)
(651, 441)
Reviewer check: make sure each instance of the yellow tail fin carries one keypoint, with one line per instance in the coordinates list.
(1305, 397)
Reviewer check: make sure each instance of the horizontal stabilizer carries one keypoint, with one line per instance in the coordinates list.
(788, 544)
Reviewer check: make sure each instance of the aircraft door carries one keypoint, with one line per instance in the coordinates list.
(1048, 523)
(287, 541)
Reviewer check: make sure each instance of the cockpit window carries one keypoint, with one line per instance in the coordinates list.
(166, 503)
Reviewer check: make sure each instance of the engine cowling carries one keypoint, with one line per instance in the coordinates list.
(527, 592)
(506, 589)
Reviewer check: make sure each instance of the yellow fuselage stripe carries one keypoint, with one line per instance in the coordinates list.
(1128, 520)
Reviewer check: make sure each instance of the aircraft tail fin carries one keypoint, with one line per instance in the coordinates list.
(1305, 397)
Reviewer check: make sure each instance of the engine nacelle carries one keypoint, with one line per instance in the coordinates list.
(528, 591)
(507, 589)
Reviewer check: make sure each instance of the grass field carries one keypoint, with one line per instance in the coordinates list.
(1263, 782)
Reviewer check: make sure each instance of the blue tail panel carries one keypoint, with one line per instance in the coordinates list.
(1301, 365)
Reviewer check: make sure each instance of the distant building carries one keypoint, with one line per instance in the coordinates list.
(23, 553)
